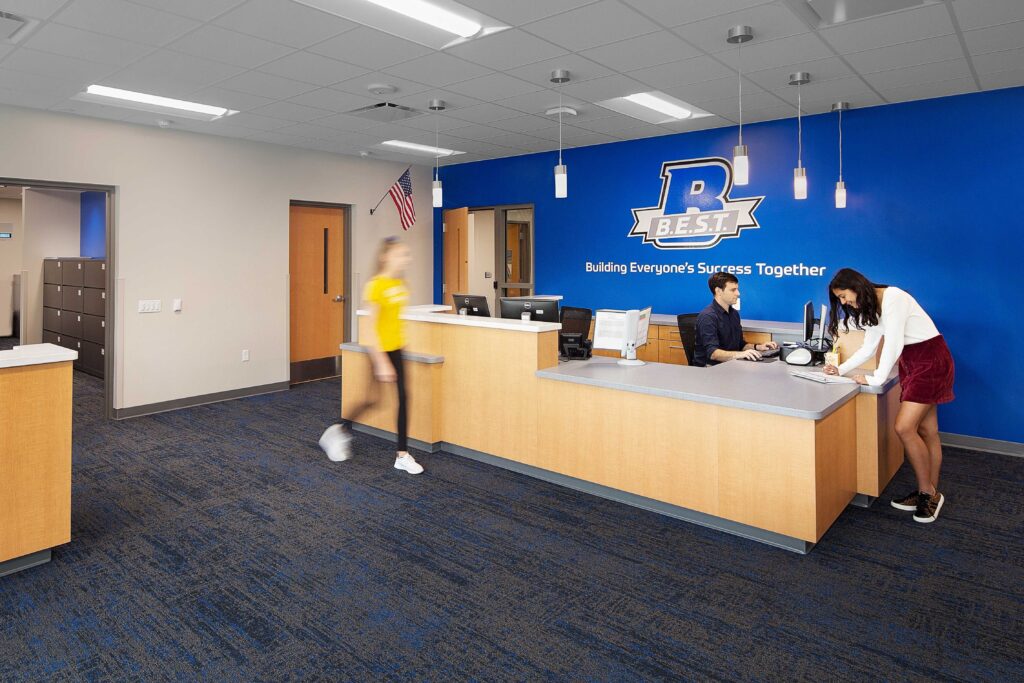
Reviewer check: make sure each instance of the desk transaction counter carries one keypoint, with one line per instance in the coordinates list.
(35, 454)
(742, 447)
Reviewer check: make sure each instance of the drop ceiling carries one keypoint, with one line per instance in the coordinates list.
(293, 71)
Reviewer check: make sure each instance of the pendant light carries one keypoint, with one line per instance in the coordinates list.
(560, 76)
(437, 106)
(740, 162)
(840, 107)
(799, 173)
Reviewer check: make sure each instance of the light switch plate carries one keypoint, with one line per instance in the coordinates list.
(149, 305)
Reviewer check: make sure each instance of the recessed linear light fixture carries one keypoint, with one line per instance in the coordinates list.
(654, 107)
(152, 103)
(422, 149)
(430, 13)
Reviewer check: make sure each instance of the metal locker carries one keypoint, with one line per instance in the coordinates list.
(50, 337)
(91, 358)
(51, 271)
(51, 296)
(51, 319)
(71, 324)
(95, 273)
(71, 298)
(93, 328)
(71, 272)
(95, 302)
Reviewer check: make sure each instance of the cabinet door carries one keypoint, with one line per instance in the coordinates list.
(71, 298)
(94, 274)
(93, 328)
(670, 334)
(671, 351)
(649, 351)
(757, 337)
(91, 358)
(51, 271)
(71, 272)
(51, 295)
(71, 324)
(51, 319)
(95, 301)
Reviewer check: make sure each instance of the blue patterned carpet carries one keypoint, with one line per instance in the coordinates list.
(218, 544)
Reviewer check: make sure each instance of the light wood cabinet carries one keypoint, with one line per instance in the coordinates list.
(757, 337)
(671, 352)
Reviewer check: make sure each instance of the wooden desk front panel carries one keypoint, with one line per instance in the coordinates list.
(879, 449)
(422, 386)
(35, 458)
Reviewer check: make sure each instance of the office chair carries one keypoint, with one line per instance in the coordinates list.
(573, 341)
(687, 323)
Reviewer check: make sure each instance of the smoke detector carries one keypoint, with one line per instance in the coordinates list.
(381, 89)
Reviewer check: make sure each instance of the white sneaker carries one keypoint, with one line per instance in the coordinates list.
(337, 443)
(407, 463)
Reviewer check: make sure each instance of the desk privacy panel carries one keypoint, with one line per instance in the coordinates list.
(933, 197)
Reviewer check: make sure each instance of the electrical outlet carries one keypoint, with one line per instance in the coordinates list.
(149, 305)
(245, 355)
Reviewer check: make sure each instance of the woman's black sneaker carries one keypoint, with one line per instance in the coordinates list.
(928, 507)
(907, 502)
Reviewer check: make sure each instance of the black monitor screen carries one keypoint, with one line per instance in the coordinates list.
(545, 310)
(808, 321)
(473, 303)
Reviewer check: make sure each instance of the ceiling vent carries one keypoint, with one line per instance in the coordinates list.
(831, 12)
(10, 26)
(385, 112)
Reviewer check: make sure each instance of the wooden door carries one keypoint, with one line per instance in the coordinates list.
(456, 253)
(317, 274)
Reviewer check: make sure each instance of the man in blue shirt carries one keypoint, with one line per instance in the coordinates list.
(719, 334)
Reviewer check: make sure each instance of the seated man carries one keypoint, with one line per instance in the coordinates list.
(719, 334)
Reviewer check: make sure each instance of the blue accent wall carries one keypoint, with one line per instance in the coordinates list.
(933, 207)
(94, 224)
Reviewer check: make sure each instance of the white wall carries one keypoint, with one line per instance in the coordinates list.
(481, 256)
(10, 261)
(205, 218)
(52, 222)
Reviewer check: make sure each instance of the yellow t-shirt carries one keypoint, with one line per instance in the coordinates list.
(390, 295)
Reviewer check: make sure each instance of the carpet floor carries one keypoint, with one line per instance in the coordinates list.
(218, 544)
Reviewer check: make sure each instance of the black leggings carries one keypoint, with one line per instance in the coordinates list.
(374, 396)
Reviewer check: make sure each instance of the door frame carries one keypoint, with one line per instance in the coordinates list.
(346, 236)
(500, 237)
(109, 347)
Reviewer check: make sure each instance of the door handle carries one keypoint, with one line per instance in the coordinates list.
(339, 299)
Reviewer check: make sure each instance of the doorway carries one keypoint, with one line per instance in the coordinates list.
(318, 238)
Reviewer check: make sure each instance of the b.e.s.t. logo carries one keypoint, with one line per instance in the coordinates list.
(695, 210)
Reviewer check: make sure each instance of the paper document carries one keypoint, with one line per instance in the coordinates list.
(609, 329)
(819, 376)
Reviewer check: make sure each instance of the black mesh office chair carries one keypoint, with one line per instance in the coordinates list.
(573, 339)
(687, 323)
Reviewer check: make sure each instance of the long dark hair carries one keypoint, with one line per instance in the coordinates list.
(869, 307)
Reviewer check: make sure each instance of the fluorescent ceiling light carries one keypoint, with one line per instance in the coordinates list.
(421, 149)
(431, 14)
(154, 103)
(654, 107)
(646, 99)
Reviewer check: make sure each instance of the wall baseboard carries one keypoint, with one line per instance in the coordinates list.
(977, 443)
(193, 401)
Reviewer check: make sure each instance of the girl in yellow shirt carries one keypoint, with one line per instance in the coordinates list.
(385, 295)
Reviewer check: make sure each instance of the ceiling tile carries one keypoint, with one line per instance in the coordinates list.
(506, 50)
(674, 12)
(347, 123)
(820, 70)
(5, 49)
(642, 51)
(230, 47)
(453, 101)
(517, 13)
(36, 9)
(928, 21)
(359, 84)
(203, 10)
(523, 124)
(475, 132)
(288, 23)
(437, 69)
(815, 94)
(73, 42)
(311, 68)
(770, 22)
(696, 124)
(484, 113)
(428, 121)
(125, 20)
(266, 85)
(32, 99)
(493, 87)
(1007, 60)
(683, 72)
(903, 55)
(170, 74)
(538, 102)
(277, 138)
(803, 47)
(580, 69)
(717, 89)
(914, 75)
(231, 99)
(604, 88)
(57, 66)
(290, 111)
(607, 21)
(96, 110)
(369, 48)
(20, 81)
(922, 91)
(1003, 79)
(981, 13)
(728, 107)
(516, 140)
(333, 100)
(312, 130)
(995, 39)
(611, 125)
(258, 122)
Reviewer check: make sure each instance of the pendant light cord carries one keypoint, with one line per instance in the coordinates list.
(437, 152)
(799, 129)
(840, 145)
(559, 124)
(739, 80)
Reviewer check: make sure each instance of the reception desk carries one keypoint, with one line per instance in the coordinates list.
(743, 447)
(35, 454)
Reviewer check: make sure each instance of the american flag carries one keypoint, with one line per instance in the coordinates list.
(401, 193)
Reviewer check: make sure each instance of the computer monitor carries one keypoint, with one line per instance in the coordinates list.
(544, 310)
(474, 304)
(808, 321)
(622, 331)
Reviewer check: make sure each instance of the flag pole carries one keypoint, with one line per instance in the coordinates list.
(388, 192)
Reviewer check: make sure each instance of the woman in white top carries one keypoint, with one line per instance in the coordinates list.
(891, 316)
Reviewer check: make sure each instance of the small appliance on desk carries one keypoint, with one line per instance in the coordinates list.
(622, 331)
(811, 351)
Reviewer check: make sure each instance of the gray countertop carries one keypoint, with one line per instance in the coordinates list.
(407, 355)
(770, 326)
(764, 387)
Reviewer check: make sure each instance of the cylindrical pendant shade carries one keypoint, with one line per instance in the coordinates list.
(561, 182)
(800, 183)
(840, 195)
(740, 165)
(438, 196)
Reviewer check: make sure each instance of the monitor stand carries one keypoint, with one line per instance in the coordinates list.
(630, 358)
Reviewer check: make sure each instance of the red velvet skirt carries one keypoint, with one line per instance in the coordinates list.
(926, 372)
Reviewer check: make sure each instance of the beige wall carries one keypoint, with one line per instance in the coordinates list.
(481, 256)
(53, 224)
(205, 219)
(10, 261)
